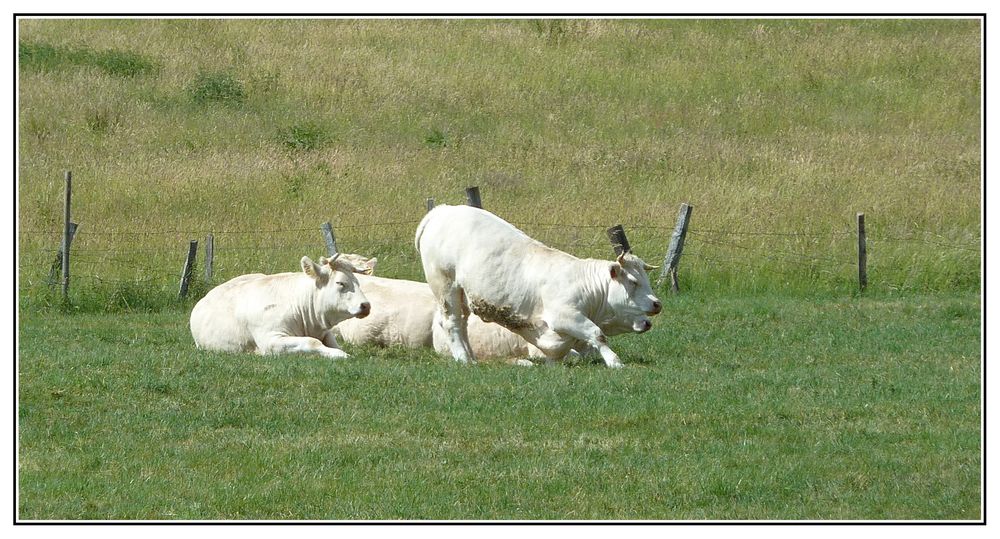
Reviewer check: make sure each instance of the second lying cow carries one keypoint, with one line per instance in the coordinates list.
(404, 314)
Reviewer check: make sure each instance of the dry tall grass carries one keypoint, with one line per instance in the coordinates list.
(263, 129)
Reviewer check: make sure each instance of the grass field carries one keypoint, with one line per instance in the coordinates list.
(769, 389)
(751, 408)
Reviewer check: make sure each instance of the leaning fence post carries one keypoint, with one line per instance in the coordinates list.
(331, 242)
(673, 257)
(188, 269)
(862, 254)
(473, 198)
(430, 203)
(209, 256)
(56, 268)
(619, 242)
(67, 238)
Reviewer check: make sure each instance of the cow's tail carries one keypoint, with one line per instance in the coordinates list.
(420, 230)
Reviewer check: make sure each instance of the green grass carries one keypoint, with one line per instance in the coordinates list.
(730, 408)
(45, 57)
(265, 129)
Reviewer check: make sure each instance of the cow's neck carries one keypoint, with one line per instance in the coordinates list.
(311, 311)
(596, 283)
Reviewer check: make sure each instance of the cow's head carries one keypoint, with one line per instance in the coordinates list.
(339, 295)
(630, 295)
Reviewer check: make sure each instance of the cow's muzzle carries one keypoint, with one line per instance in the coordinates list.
(642, 326)
(366, 309)
(657, 307)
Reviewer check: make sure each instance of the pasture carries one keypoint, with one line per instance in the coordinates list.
(770, 388)
(729, 408)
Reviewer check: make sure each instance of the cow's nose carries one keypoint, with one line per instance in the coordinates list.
(657, 307)
(366, 308)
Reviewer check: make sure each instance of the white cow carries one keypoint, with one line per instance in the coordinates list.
(475, 261)
(285, 312)
(404, 313)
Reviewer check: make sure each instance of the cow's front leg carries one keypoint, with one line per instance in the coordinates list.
(580, 327)
(279, 344)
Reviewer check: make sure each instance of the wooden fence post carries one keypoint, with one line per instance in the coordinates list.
(56, 269)
(862, 254)
(673, 257)
(473, 198)
(331, 242)
(209, 256)
(66, 236)
(430, 204)
(188, 269)
(619, 242)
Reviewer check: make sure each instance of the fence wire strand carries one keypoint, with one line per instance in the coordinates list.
(786, 253)
(95, 250)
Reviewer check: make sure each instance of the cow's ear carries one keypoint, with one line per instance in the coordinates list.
(309, 267)
(615, 268)
(369, 267)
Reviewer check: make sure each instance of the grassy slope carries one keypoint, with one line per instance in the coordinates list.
(730, 409)
(787, 125)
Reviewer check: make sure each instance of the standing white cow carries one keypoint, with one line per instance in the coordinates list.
(476, 261)
(285, 312)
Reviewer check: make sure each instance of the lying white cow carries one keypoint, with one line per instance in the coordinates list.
(404, 313)
(476, 261)
(286, 312)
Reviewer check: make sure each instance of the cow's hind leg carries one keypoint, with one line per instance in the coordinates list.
(455, 321)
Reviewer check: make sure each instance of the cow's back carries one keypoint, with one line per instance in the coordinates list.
(213, 325)
(451, 234)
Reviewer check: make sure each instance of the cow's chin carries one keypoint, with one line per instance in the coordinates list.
(641, 325)
(361, 314)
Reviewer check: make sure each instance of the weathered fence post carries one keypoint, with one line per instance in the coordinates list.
(619, 242)
(209, 256)
(473, 198)
(54, 271)
(188, 269)
(673, 257)
(430, 203)
(66, 236)
(862, 254)
(331, 242)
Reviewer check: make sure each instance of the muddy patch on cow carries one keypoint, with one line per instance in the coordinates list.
(503, 315)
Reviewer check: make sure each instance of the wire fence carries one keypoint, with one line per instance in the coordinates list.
(103, 257)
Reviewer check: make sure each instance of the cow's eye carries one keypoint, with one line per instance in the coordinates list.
(341, 284)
